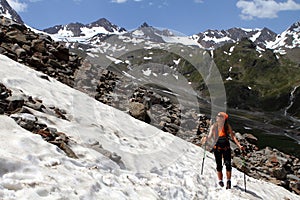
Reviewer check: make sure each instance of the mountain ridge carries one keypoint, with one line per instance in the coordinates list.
(77, 29)
(7, 11)
(210, 39)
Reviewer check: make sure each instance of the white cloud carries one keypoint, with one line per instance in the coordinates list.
(119, 1)
(265, 8)
(17, 6)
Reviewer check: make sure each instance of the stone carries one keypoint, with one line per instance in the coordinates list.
(15, 102)
(39, 45)
(279, 173)
(250, 138)
(137, 110)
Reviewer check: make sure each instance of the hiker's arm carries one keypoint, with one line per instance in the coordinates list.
(208, 139)
(234, 138)
(210, 133)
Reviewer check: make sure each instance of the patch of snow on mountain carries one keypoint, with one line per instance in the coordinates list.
(65, 32)
(255, 36)
(116, 61)
(147, 58)
(147, 72)
(180, 40)
(247, 29)
(138, 33)
(90, 32)
(259, 49)
(177, 61)
(6, 14)
(281, 40)
(217, 40)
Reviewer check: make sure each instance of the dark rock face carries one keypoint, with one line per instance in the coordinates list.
(38, 51)
(105, 24)
(6, 10)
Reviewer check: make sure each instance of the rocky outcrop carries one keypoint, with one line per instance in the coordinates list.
(23, 109)
(273, 166)
(19, 107)
(8, 11)
(140, 102)
(105, 87)
(37, 51)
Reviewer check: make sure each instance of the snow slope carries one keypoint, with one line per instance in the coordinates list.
(155, 164)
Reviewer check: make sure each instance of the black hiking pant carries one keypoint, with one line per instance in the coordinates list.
(226, 154)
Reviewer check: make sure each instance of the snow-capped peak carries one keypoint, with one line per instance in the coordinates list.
(84, 31)
(290, 38)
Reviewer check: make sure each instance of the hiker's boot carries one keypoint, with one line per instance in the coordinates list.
(221, 183)
(228, 185)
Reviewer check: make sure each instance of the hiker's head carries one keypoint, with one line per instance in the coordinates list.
(222, 116)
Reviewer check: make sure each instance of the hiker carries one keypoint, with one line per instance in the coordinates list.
(218, 136)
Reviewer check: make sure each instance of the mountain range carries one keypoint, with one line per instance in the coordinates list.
(112, 39)
(210, 39)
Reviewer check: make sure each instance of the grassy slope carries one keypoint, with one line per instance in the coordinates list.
(259, 80)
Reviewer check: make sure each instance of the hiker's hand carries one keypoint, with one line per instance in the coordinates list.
(203, 140)
(242, 147)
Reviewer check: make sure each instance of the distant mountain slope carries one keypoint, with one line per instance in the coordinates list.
(85, 30)
(289, 39)
(212, 39)
(260, 77)
(7, 11)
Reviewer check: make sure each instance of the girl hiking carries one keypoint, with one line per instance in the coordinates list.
(218, 136)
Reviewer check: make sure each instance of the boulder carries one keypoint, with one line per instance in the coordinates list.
(137, 110)
(279, 173)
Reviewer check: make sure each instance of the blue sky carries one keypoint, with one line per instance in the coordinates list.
(186, 16)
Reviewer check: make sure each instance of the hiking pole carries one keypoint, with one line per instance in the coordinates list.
(203, 158)
(244, 166)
